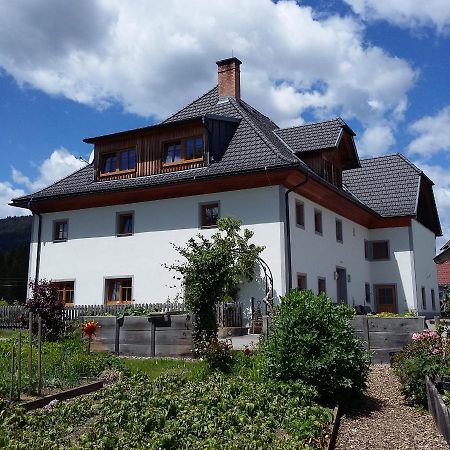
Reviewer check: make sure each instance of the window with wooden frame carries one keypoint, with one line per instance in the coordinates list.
(209, 214)
(321, 285)
(331, 173)
(118, 290)
(433, 300)
(301, 281)
(339, 234)
(66, 291)
(184, 150)
(60, 230)
(367, 292)
(300, 214)
(376, 250)
(120, 161)
(125, 224)
(424, 298)
(318, 221)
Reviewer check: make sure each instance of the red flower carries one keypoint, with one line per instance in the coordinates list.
(247, 351)
(90, 328)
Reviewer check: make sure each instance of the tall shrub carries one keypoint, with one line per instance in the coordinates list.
(312, 341)
(44, 302)
(212, 270)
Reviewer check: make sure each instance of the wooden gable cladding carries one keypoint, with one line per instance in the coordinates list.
(427, 213)
(150, 150)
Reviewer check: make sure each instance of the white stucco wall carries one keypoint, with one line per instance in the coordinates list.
(424, 244)
(318, 255)
(93, 251)
(398, 270)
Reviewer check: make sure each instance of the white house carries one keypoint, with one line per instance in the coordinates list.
(363, 231)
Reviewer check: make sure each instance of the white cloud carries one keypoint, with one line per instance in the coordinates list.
(376, 140)
(411, 14)
(7, 192)
(60, 164)
(433, 134)
(153, 57)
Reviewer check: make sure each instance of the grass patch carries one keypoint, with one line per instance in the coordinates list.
(153, 368)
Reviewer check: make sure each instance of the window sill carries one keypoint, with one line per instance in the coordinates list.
(124, 234)
(117, 172)
(207, 227)
(319, 233)
(55, 241)
(300, 226)
(69, 305)
(182, 163)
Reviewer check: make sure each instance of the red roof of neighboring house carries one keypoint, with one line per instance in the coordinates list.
(443, 271)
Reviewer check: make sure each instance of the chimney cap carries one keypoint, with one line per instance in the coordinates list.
(225, 61)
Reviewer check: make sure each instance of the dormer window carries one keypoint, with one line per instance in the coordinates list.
(118, 162)
(184, 150)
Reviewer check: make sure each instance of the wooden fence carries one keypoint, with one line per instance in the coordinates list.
(12, 316)
(439, 410)
(229, 315)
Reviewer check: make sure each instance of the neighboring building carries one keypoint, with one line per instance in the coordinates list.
(362, 231)
(442, 261)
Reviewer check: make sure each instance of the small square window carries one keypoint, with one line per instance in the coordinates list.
(173, 152)
(209, 215)
(118, 290)
(66, 291)
(125, 222)
(376, 250)
(60, 230)
(300, 214)
(318, 221)
(301, 281)
(321, 285)
(367, 292)
(339, 236)
(424, 298)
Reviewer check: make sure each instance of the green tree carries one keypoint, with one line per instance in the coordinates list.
(212, 271)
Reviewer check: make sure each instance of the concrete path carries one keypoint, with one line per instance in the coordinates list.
(240, 342)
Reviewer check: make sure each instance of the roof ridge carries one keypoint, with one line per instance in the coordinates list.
(337, 119)
(272, 147)
(190, 104)
(398, 154)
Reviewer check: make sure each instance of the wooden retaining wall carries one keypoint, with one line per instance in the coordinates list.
(386, 336)
(439, 410)
(138, 336)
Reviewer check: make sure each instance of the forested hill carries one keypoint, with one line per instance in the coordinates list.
(15, 235)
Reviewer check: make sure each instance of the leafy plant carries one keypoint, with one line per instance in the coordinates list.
(44, 302)
(212, 271)
(426, 354)
(312, 341)
(174, 412)
(410, 313)
(217, 353)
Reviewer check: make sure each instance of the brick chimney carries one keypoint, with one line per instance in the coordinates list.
(229, 78)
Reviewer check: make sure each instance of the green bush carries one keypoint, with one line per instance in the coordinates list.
(424, 355)
(174, 412)
(312, 341)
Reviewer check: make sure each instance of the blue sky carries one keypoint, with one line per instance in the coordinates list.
(95, 66)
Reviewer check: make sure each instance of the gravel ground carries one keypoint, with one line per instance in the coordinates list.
(383, 421)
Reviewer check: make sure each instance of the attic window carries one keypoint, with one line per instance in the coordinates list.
(118, 162)
(184, 150)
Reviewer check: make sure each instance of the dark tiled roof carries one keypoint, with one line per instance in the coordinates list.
(313, 136)
(387, 184)
(253, 147)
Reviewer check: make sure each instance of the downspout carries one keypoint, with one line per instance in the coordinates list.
(38, 252)
(288, 232)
